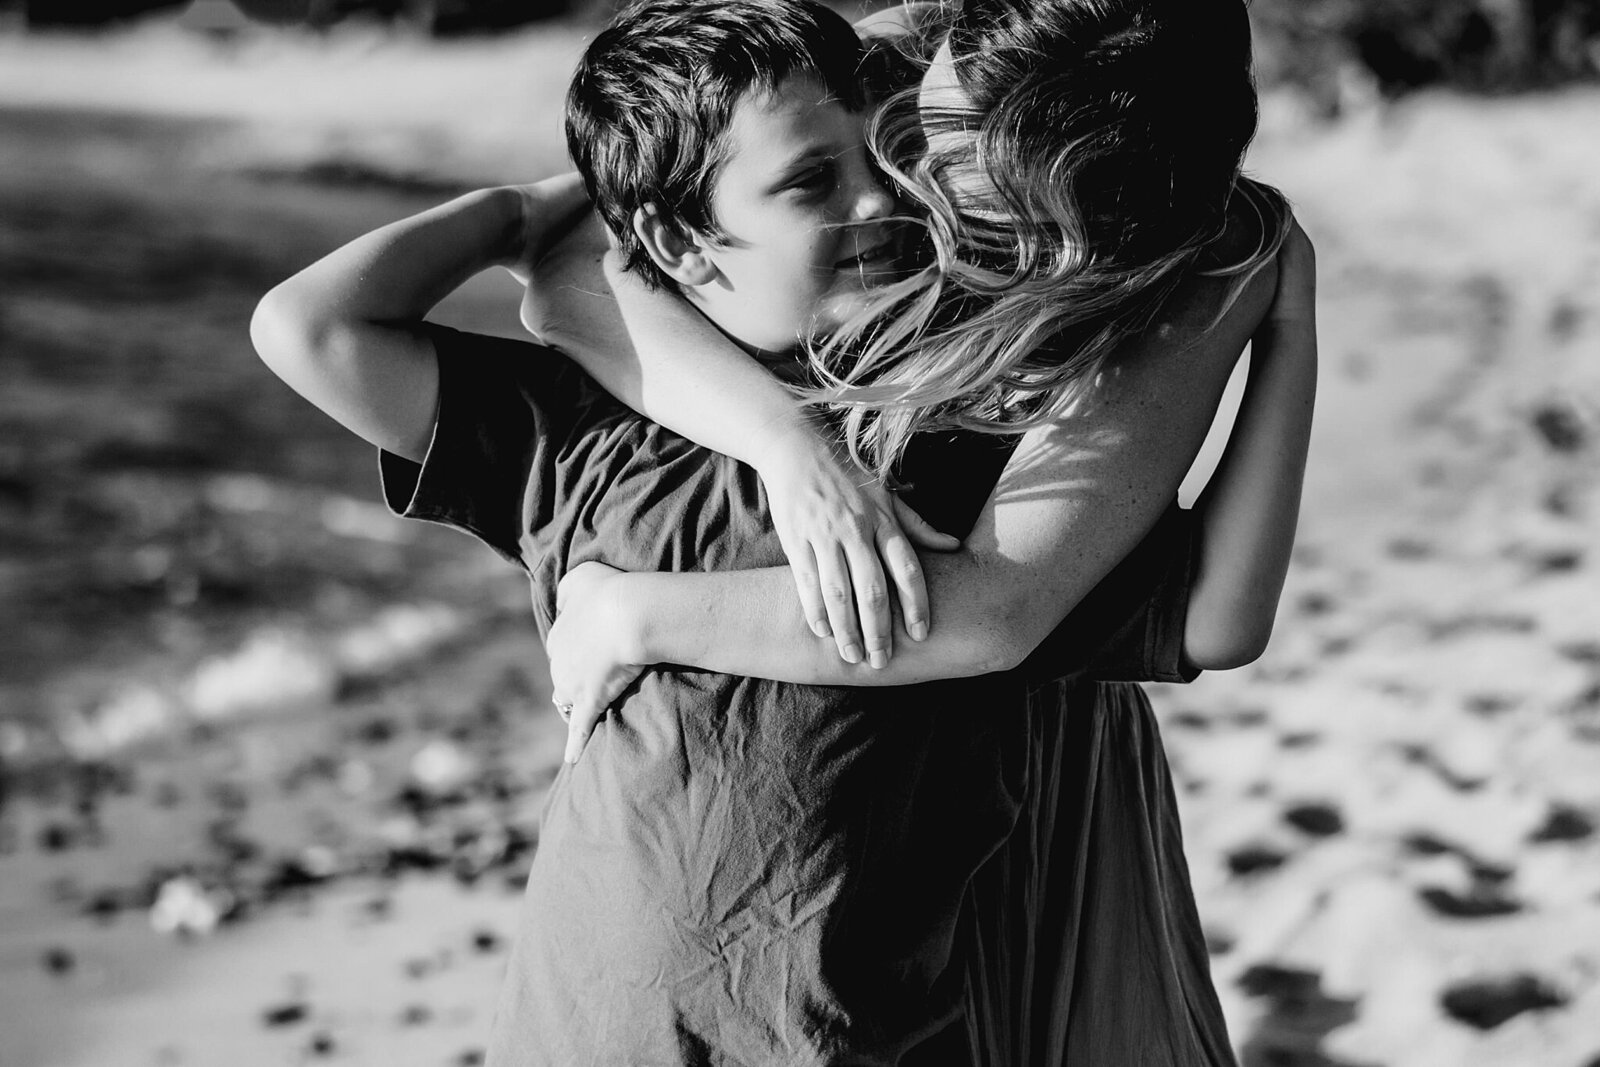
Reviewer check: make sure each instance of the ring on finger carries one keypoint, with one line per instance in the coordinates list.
(563, 709)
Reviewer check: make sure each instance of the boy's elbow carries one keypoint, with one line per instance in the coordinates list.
(280, 334)
(293, 340)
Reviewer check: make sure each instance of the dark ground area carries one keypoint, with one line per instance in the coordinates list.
(161, 493)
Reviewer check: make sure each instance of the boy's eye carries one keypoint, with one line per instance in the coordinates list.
(814, 179)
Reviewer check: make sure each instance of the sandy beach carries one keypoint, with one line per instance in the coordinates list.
(271, 761)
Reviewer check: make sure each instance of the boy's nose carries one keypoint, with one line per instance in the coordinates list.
(876, 202)
(871, 199)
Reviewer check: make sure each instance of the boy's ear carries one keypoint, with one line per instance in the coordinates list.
(681, 257)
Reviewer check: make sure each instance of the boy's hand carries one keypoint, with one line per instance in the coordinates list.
(593, 658)
(567, 302)
(550, 209)
(842, 531)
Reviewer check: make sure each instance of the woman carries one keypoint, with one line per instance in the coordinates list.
(1081, 164)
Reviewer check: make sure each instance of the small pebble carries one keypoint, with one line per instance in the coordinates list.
(1564, 824)
(1582, 652)
(285, 1014)
(376, 731)
(1482, 900)
(1219, 942)
(56, 837)
(1557, 561)
(1318, 820)
(1408, 548)
(1316, 604)
(1254, 859)
(105, 905)
(59, 961)
(1560, 427)
(184, 906)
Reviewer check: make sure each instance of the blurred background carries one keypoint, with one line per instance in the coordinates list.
(270, 760)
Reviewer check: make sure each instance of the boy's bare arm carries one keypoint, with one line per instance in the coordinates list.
(346, 332)
(1249, 509)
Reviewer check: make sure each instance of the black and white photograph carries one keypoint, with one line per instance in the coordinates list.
(800, 533)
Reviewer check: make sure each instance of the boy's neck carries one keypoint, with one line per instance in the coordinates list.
(778, 362)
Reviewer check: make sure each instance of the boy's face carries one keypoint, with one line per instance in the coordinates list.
(796, 175)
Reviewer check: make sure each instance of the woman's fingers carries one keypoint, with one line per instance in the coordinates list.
(580, 726)
(912, 590)
(803, 564)
(920, 531)
(833, 578)
(872, 602)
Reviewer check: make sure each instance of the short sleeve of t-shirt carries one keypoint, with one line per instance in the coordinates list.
(1130, 626)
(505, 407)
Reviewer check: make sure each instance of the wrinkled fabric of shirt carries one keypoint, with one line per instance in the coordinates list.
(738, 871)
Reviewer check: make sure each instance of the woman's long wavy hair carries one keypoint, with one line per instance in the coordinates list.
(1110, 135)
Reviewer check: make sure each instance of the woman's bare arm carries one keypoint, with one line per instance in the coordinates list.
(849, 541)
(1251, 505)
(1074, 499)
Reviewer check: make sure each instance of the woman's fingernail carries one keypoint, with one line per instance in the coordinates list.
(919, 631)
(822, 629)
(879, 659)
(852, 653)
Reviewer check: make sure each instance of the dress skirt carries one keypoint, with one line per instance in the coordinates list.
(1088, 950)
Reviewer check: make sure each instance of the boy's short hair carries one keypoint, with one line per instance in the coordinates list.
(655, 92)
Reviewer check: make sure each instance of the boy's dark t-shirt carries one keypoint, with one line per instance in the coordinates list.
(740, 870)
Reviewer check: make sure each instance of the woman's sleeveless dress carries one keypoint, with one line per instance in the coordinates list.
(1088, 950)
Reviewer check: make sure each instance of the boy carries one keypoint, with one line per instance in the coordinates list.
(738, 870)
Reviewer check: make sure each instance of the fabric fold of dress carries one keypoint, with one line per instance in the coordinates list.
(1088, 949)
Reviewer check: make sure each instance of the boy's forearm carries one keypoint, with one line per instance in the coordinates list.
(1249, 510)
(398, 272)
(346, 333)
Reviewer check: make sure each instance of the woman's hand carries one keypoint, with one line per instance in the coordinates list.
(594, 654)
(847, 537)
